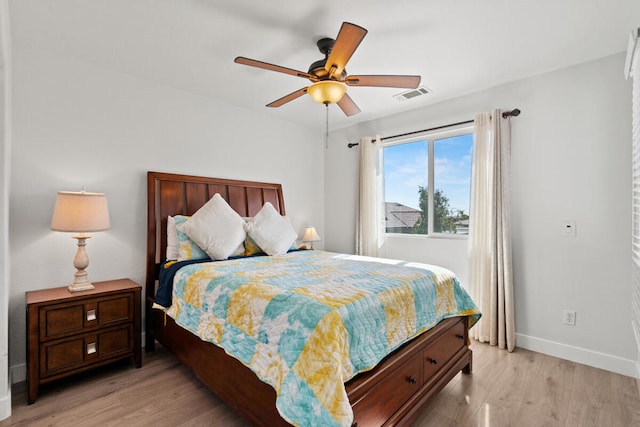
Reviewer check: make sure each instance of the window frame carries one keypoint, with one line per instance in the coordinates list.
(431, 137)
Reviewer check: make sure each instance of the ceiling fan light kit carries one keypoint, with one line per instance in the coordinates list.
(329, 77)
(327, 91)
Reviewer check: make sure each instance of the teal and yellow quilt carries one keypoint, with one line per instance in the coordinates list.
(306, 322)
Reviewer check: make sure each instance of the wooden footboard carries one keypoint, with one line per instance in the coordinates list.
(227, 377)
(391, 394)
(398, 388)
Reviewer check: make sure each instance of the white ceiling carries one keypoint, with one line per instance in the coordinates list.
(457, 46)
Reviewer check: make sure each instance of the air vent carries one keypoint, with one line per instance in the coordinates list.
(413, 93)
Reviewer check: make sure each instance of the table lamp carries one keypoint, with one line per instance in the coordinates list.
(80, 212)
(310, 235)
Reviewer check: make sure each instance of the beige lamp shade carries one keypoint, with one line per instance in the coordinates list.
(327, 91)
(80, 212)
(311, 235)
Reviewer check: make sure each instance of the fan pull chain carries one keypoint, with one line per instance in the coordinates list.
(326, 132)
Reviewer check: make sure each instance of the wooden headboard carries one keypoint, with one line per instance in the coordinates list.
(173, 194)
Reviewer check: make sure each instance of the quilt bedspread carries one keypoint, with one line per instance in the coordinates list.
(307, 322)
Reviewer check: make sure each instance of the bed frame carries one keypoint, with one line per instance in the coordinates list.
(391, 394)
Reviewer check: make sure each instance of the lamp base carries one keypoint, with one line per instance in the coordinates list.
(80, 262)
(79, 287)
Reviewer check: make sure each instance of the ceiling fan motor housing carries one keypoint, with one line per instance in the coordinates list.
(325, 45)
(317, 68)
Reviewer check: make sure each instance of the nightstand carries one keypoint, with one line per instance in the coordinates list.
(70, 332)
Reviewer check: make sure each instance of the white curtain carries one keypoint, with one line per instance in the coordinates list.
(370, 218)
(490, 272)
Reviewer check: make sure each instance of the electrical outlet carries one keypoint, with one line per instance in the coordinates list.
(569, 317)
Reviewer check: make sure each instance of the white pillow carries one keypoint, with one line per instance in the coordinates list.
(272, 232)
(181, 248)
(216, 228)
(172, 239)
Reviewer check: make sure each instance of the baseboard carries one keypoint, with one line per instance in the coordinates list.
(5, 406)
(19, 372)
(627, 367)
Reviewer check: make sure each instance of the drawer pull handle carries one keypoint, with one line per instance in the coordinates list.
(91, 315)
(432, 360)
(411, 380)
(460, 337)
(91, 348)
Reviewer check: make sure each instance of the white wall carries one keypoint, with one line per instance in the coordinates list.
(76, 125)
(570, 160)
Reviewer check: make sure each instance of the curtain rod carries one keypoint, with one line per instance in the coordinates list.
(512, 113)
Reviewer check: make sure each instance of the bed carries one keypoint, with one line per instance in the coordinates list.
(390, 393)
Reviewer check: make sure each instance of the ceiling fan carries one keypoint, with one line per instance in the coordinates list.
(328, 75)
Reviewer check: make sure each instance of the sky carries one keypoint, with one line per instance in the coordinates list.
(406, 168)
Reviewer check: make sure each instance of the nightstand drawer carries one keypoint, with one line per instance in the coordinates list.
(61, 320)
(82, 350)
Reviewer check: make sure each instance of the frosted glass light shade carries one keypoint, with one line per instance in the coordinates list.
(327, 91)
(80, 212)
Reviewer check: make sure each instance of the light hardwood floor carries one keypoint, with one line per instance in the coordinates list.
(522, 388)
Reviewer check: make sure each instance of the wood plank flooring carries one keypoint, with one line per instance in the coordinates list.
(522, 388)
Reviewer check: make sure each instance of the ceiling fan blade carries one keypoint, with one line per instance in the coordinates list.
(347, 105)
(349, 38)
(272, 67)
(288, 98)
(409, 82)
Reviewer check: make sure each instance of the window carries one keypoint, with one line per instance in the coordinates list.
(427, 183)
